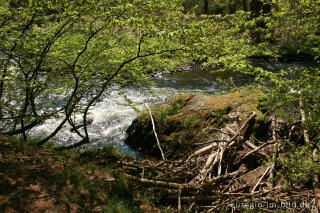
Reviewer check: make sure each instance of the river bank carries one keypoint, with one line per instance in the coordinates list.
(218, 150)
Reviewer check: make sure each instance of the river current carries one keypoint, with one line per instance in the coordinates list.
(113, 113)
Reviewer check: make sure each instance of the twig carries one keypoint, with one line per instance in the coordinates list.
(241, 129)
(291, 131)
(257, 149)
(179, 199)
(220, 159)
(250, 145)
(155, 133)
(190, 208)
(264, 174)
(231, 130)
(274, 138)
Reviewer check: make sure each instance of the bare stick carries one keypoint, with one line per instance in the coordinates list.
(274, 138)
(183, 185)
(248, 143)
(154, 131)
(207, 167)
(291, 131)
(179, 199)
(303, 121)
(257, 149)
(220, 159)
(264, 174)
(202, 150)
(241, 129)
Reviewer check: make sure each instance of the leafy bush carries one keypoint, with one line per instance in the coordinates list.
(296, 163)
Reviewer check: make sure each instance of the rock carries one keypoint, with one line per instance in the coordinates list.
(184, 121)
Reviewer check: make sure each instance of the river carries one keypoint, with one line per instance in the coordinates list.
(113, 113)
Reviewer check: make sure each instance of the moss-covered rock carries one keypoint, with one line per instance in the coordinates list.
(185, 121)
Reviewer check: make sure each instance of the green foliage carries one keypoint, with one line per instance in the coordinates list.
(297, 164)
(292, 91)
(54, 55)
(297, 89)
(289, 30)
(295, 28)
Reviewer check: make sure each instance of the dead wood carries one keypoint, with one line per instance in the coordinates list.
(257, 149)
(244, 125)
(213, 177)
(155, 133)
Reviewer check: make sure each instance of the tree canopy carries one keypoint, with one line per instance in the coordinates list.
(72, 51)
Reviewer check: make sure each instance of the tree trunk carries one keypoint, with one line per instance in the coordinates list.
(206, 7)
(244, 4)
(231, 7)
(255, 7)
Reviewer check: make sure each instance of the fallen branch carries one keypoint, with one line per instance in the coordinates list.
(257, 149)
(183, 185)
(231, 140)
(155, 133)
(203, 150)
(179, 199)
(259, 181)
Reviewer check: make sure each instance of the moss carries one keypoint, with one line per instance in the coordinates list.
(224, 102)
(190, 121)
(171, 107)
(180, 121)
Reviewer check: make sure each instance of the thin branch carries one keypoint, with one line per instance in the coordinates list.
(154, 131)
(264, 174)
(257, 149)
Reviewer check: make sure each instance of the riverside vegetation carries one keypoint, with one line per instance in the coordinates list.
(57, 58)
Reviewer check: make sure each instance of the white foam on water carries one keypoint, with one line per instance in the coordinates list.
(111, 115)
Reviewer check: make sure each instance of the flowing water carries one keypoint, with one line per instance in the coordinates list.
(113, 114)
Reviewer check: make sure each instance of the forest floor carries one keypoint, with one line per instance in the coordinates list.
(34, 179)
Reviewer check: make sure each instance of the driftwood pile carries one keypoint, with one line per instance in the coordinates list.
(229, 174)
